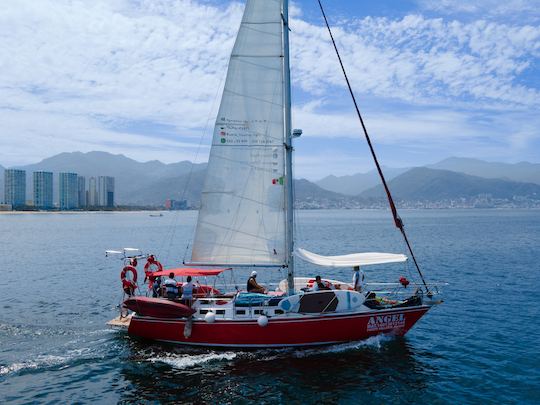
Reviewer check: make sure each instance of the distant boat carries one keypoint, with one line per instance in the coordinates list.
(156, 215)
(246, 220)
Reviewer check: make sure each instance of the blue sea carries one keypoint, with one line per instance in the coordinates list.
(482, 345)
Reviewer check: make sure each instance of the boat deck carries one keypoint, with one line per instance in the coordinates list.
(120, 321)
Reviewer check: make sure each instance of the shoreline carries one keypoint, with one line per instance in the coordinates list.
(83, 212)
(150, 211)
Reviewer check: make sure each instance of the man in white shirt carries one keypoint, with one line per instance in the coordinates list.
(187, 291)
(172, 289)
(358, 279)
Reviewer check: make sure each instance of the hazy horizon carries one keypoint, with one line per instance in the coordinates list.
(387, 166)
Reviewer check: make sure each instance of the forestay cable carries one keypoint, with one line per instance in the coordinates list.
(397, 220)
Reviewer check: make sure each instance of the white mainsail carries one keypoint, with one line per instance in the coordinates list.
(242, 217)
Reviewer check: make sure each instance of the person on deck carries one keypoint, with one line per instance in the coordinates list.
(171, 287)
(318, 285)
(187, 291)
(253, 286)
(156, 286)
(358, 279)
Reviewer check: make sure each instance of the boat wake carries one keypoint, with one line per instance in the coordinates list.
(13, 330)
(40, 362)
(374, 342)
(89, 351)
(186, 360)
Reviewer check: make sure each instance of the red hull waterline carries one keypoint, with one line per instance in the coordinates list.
(280, 332)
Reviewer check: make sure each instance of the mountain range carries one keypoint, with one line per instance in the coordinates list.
(151, 183)
(357, 183)
(426, 184)
(523, 171)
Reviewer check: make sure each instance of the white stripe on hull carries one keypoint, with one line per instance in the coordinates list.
(279, 319)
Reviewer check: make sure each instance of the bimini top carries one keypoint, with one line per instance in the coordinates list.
(351, 260)
(187, 271)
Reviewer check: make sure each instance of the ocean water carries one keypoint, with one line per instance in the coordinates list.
(57, 291)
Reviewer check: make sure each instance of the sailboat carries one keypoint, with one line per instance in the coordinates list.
(246, 220)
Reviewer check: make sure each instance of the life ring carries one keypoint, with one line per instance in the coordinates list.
(151, 266)
(152, 262)
(128, 284)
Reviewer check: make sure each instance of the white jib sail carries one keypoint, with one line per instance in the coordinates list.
(242, 216)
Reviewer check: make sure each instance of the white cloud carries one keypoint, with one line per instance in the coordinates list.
(144, 77)
(421, 60)
(412, 136)
(85, 68)
(120, 59)
(515, 10)
(421, 125)
(43, 134)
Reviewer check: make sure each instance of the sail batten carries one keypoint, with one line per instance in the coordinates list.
(242, 215)
(253, 98)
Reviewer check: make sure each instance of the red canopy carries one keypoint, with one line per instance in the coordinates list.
(189, 271)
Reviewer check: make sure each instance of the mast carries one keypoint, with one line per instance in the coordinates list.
(289, 192)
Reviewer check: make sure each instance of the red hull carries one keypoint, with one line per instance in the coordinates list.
(281, 331)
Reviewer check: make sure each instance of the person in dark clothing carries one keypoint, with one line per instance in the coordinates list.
(253, 286)
(156, 286)
(318, 285)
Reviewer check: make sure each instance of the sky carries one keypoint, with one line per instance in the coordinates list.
(433, 79)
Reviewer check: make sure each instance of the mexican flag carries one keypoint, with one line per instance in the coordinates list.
(278, 181)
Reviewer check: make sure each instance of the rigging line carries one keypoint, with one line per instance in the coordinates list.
(397, 220)
(239, 55)
(245, 60)
(234, 93)
(260, 23)
(251, 145)
(249, 165)
(251, 27)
